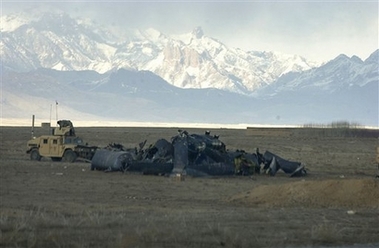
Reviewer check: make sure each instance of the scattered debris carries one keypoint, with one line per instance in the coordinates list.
(193, 155)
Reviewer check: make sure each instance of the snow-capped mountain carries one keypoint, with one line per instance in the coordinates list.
(100, 73)
(143, 96)
(193, 60)
(342, 89)
(341, 73)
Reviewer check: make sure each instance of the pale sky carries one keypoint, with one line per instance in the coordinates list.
(316, 30)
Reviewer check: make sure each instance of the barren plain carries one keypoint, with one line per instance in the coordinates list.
(57, 204)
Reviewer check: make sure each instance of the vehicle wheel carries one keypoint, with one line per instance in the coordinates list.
(34, 155)
(56, 159)
(69, 156)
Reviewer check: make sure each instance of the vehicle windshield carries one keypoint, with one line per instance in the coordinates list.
(71, 140)
(78, 141)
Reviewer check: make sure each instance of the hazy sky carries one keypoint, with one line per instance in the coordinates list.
(317, 30)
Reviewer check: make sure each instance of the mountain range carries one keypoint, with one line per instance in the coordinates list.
(136, 75)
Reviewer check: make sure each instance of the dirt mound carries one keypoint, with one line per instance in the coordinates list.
(351, 193)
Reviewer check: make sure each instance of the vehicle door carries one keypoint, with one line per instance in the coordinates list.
(54, 145)
(44, 148)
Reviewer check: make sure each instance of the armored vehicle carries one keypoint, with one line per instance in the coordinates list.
(62, 144)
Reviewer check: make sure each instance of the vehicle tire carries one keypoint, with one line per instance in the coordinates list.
(69, 156)
(56, 159)
(34, 155)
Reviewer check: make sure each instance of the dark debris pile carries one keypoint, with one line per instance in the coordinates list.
(191, 154)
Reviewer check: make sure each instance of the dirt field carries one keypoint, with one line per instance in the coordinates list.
(56, 204)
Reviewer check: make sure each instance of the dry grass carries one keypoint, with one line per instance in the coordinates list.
(83, 208)
(89, 228)
(326, 233)
(40, 228)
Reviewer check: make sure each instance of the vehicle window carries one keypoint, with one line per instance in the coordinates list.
(45, 141)
(67, 141)
(55, 142)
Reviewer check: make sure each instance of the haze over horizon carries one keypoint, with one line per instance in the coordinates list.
(249, 85)
(318, 31)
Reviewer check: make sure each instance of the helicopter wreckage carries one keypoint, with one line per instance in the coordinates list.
(192, 155)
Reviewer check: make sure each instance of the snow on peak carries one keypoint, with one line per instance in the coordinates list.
(198, 33)
(150, 34)
(187, 38)
(190, 60)
(12, 22)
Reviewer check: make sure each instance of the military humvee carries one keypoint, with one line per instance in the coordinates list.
(62, 144)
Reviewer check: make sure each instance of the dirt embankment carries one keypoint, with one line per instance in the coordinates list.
(350, 193)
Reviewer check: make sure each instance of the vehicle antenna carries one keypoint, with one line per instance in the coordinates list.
(33, 117)
(56, 111)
